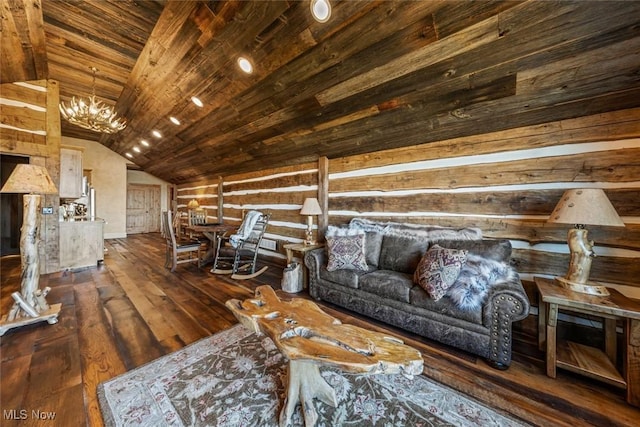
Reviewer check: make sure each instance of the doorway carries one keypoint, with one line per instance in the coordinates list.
(143, 208)
(10, 208)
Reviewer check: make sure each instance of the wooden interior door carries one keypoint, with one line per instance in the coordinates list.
(143, 208)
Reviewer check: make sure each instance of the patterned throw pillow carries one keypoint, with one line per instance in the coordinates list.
(438, 270)
(346, 252)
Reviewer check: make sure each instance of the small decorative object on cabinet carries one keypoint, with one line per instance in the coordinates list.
(585, 360)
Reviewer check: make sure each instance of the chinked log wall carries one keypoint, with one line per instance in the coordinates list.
(30, 126)
(507, 183)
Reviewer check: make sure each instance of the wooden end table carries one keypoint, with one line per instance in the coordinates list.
(301, 248)
(585, 360)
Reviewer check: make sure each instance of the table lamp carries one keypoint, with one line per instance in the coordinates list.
(193, 204)
(588, 206)
(30, 304)
(310, 207)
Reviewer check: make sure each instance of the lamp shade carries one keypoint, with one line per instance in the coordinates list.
(27, 178)
(311, 207)
(587, 206)
(193, 204)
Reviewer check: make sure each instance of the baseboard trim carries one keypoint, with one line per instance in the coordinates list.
(115, 235)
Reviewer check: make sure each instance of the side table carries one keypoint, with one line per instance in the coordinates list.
(301, 248)
(585, 360)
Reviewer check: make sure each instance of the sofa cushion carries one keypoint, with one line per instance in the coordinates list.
(438, 270)
(418, 231)
(498, 249)
(346, 252)
(401, 253)
(445, 306)
(372, 246)
(387, 284)
(348, 278)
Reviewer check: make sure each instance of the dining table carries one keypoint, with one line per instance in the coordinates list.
(211, 231)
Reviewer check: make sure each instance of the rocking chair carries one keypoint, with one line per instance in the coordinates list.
(178, 252)
(237, 254)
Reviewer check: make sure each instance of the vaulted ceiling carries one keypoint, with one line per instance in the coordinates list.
(378, 74)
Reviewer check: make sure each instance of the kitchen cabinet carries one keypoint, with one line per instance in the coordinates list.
(70, 173)
(81, 244)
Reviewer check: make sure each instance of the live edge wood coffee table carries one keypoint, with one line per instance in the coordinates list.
(311, 338)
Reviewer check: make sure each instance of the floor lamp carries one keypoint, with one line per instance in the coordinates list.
(30, 303)
(581, 207)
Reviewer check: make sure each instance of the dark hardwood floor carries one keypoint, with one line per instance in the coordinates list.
(131, 310)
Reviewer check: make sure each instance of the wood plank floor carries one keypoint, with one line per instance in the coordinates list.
(130, 310)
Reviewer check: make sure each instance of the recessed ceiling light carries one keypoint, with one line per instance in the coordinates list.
(144, 142)
(128, 154)
(157, 134)
(196, 101)
(174, 120)
(321, 10)
(245, 65)
(136, 149)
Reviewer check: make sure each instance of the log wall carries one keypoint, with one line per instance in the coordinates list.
(507, 183)
(30, 126)
(279, 191)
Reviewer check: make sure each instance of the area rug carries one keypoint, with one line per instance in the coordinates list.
(236, 378)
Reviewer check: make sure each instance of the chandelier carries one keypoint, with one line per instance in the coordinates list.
(91, 114)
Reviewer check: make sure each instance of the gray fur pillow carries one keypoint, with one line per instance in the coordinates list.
(476, 277)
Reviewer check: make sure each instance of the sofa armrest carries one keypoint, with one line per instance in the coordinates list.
(314, 260)
(506, 303)
(507, 296)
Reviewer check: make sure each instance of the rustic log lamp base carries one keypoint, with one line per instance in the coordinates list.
(581, 207)
(30, 303)
(577, 278)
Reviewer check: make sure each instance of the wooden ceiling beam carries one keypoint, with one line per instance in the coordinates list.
(23, 46)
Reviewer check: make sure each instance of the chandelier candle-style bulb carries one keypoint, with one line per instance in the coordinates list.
(92, 114)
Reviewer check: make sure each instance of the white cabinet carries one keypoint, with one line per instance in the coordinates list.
(81, 244)
(70, 173)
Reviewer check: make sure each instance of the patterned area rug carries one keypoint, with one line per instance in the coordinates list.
(236, 378)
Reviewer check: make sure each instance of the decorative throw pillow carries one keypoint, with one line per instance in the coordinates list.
(346, 252)
(438, 270)
(476, 278)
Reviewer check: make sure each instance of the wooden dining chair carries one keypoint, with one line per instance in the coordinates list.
(196, 217)
(179, 251)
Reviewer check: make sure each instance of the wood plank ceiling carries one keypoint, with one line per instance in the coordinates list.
(379, 74)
